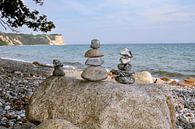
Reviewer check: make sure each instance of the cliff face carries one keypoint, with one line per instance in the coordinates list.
(29, 39)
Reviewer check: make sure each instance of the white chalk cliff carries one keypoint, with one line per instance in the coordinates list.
(29, 39)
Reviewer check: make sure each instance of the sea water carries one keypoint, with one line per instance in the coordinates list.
(174, 60)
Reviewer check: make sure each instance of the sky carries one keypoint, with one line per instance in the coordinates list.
(121, 21)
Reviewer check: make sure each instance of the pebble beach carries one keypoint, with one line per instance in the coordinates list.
(18, 81)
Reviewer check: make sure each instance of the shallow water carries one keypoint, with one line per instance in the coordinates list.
(174, 60)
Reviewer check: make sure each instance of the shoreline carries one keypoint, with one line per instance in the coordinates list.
(80, 66)
(18, 81)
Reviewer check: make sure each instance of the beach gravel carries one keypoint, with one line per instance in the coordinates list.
(18, 81)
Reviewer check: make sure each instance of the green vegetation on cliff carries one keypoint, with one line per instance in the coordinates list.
(2, 43)
(26, 39)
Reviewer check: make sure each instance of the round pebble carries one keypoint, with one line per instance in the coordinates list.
(7, 107)
(95, 44)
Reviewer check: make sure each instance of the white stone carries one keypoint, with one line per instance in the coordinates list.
(124, 60)
(144, 77)
(7, 107)
(125, 52)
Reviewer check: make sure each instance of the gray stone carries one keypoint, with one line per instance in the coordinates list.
(93, 53)
(58, 72)
(125, 79)
(57, 63)
(56, 124)
(58, 68)
(124, 67)
(124, 60)
(126, 52)
(95, 44)
(94, 73)
(102, 105)
(94, 61)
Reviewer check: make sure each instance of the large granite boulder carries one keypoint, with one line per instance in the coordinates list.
(101, 105)
(56, 124)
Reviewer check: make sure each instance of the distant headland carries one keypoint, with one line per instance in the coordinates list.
(30, 39)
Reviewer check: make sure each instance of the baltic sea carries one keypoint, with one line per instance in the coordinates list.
(173, 60)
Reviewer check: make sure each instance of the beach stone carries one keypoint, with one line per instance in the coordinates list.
(183, 83)
(165, 79)
(124, 67)
(144, 77)
(93, 73)
(190, 80)
(58, 71)
(56, 124)
(93, 53)
(159, 81)
(101, 105)
(124, 60)
(125, 79)
(94, 61)
(95, 44)
(126, 52)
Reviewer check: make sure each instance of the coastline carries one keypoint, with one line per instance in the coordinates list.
(18, 81)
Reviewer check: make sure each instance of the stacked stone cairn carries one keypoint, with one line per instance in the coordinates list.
(58, 68)
(94, 72)
(124, 73)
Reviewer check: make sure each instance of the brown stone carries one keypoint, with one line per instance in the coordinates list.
(183, 83)
(165, 78)
(159, 81)
(190, 81)
(93, 53)
(173, 83)
(94, 73)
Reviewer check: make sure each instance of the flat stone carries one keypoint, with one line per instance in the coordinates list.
(95, 44)
(125, 80)
(124, 67)
(126, 52)
(93, 53)
(124, 60)
(93, 73)
(94, 61)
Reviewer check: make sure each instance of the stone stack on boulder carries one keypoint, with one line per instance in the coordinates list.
(100, 105)
(124, 74)
(94, 72)
(58, 71)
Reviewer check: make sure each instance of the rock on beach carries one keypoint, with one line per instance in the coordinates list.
(144, 77)
(101, 105)
(56, 124)
(18, 80)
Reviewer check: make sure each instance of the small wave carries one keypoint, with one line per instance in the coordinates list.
(16, 60)
(74, 65)
(170, 74)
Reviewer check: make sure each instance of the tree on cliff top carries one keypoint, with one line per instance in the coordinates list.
(14, 14)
